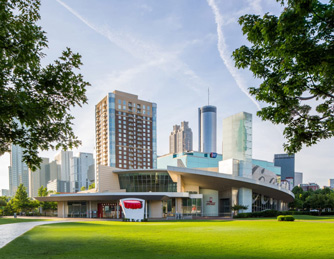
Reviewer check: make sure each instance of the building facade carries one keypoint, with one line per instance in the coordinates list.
(181, 138)
(287, 164)
(4, 192)
(126, 132)
(331, 183)
(207, 129)
(18, 171)
(82, 171)
(298, 178)
(173, 192)
(309, 186)
(39, 178)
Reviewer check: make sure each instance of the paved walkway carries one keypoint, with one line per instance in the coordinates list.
(8, 232)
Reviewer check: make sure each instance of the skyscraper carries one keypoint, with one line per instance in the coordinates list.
(298, 178)
(287, 164)
(18, 171)
(126, 132)
(38, 178)
(80, 171)
(207, 129)
(63, 159)
(237, 141)
(181, 138)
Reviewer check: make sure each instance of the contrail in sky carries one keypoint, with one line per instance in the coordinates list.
(225, 55)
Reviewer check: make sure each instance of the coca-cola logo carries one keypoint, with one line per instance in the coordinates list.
(210, 202)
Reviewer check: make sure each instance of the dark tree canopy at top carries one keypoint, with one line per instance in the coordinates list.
(294, 56)
(35, 100)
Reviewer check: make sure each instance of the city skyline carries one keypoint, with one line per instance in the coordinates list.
(155, 50)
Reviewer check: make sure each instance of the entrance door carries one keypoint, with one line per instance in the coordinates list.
(108, 210)
(224, 207)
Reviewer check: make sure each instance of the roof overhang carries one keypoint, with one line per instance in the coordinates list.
(219, 181)
(109, 196)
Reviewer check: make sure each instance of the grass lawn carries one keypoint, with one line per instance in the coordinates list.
(170, 239)
(17, 220)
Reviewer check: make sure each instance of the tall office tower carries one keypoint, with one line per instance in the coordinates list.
(207, 129)
(82, 171)
(298, 178)
(126, 135)
(237, 141)
(63, 159)
(18, 171)
(181, 138)
(54, 170)
(237, 152)
(74, 175)
(287, 164)
(38, 178)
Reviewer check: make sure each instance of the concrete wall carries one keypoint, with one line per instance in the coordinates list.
(155, 209)
(107, 181)
(191, 188)
(62, 209)
(210, 202)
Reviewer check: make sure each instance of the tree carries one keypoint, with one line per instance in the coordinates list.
(236, 208)
(35, 100)
(46, 205)
(293, 55)
(91, 186)
(83, 188)
(20, 202)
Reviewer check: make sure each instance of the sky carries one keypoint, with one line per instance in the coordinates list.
(168, 52)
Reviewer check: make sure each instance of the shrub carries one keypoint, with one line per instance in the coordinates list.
(285, 218)
(281, 218)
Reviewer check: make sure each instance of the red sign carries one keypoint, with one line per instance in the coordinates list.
(210, 202)
(132, 204)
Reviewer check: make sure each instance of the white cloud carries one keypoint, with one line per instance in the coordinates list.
(225, 54)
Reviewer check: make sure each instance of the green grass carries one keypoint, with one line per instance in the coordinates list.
(17, 220)
(195, 239)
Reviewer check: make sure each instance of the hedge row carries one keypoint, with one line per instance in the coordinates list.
(275, 213)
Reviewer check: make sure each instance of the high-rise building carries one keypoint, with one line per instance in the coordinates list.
(4, 192)
(181, 138)
(63, 159)
(82, 171)
(18, 171)
(207, 129)
(39, 178)
(237, 141)
(298, 178)
(331, 183)
(126, 135)
(287, 164)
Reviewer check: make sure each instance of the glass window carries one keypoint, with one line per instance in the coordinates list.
(119, 106)
(124, 102)
(119, 101)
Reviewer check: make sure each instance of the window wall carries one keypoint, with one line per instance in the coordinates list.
(192, 207)
(147, 182)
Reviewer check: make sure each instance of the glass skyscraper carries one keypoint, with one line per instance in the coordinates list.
(237, 141)
(287, 164)
(207, 129)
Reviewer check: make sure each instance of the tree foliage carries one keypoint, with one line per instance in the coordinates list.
(91, 186)
(294, 56)
(316, 200)
(46, 205)
(35, 100)
(20, 202)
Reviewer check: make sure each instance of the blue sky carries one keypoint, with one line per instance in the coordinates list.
(169, 52)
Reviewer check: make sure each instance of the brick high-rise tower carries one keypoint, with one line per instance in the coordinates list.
(126, 135)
